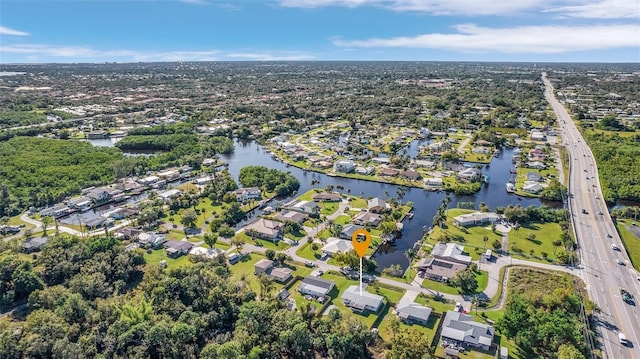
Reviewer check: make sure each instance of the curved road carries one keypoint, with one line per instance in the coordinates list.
(595, 233)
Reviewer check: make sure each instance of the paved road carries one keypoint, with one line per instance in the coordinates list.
(595, 233)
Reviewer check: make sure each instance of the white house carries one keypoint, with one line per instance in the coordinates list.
(337, 245)
(361, 303)
(247, 193)
(316, 287)
(475, 218)
(344, 166)
(532, 187)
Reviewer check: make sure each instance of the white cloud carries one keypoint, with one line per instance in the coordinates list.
(605, 9)
(602, 9)
(49, 53)
(87, 53)
(8, 31)
(524, 39)
(194, 2)
(437, 7)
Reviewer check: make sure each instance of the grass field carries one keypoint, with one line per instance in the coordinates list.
(470, 237)
(630, 241)
(263, 243)
(545, 234)
(305, 251)
(160, 254)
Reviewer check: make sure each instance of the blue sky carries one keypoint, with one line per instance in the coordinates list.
(247, 30)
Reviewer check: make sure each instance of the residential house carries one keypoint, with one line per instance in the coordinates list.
(336, 245)
(56, 211)
(326, 197)
(34, 244)
(265, 229)
(291, 216)
(475, 218)
(81, 204)
(422, 163)
(348, 230)
(481, 150)
(265, 266)
(127, 233)
(433, 183)
(388, 172)
(102, 195)
(98, 222)
(247, 193)
(176, 249)
(303, 206)
(366, 171)
(451, 252)
(380, 160)
(469, 174)
(538, 136)
(532, 187)
(364, 218)
(446, 260)
(169, 175)
(206, 252)
(377, 205)
(148, 181)
(316, 287)
(203, 181)
(460, 329)
(534, 176)
(410, 174)
(151, 240)
(361, 303)
(439, 270)
(169, 195)
(413, 313)
(323, 164)
(536, 164)
(344, 166)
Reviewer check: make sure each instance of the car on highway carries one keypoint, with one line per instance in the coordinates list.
(614, 247)
(609, 235)
(620, 262)
(585, 211)
(622, 338)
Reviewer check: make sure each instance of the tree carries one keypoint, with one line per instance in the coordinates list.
(266, 285)
(496, 244)
(189, 218)
(556, 244)
(568, 351)
(466, 280)
(270, 254)
(46, 221)
(485, 239)
(282, 257)
(238, 242)
(210, 239)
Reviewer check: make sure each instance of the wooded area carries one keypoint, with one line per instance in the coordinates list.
(40, 172)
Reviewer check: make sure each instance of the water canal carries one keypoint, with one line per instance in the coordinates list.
(248, 153)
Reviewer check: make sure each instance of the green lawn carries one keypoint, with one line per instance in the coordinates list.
(342, 283)
(481, 276)
(630, 241)
(244, 269)
(16, 221)
(305, 251)
(263, 243)
(343, 219)
(160, 254)
(545, 234)
(469, 237)
(357, 202)
(308, 196)
(328, 208)
(521, 177)
(428, 330)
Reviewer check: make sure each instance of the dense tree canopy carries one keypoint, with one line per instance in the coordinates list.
(39, 172)
(271, 180)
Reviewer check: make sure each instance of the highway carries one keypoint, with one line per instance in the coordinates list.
(604, 269)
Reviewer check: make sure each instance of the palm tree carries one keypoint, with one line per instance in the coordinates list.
(266, 285)
(46, 221)
(306, 312)
(485, 239)
(557, 243)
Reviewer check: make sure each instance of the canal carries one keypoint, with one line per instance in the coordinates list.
(249, 153)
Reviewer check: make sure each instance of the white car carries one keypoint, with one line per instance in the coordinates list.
(614, 247)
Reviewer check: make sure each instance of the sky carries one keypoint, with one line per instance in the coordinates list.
(71, 31)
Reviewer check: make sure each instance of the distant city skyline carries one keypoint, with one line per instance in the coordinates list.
(67, 31)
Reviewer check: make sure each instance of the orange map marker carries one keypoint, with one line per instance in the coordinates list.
(361, 239)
